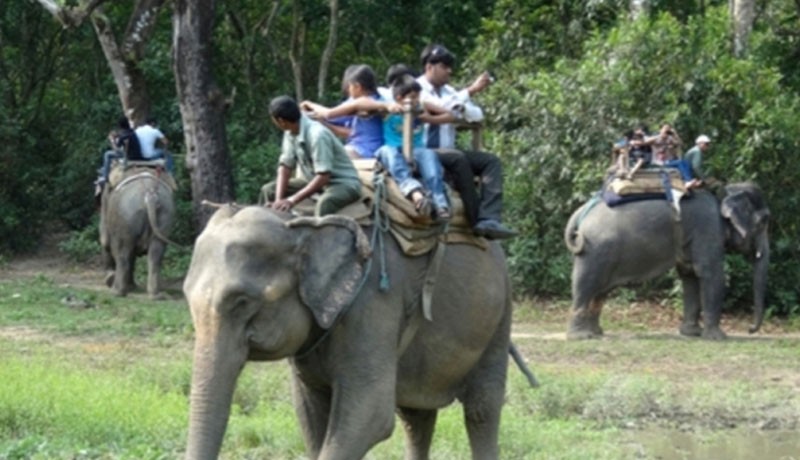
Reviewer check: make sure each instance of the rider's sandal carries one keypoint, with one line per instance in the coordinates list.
(423, 205)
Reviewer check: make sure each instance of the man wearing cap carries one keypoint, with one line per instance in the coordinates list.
(484, 212)
(695, 156)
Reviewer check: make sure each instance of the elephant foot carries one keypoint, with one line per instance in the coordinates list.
(157, 296)
(691, 330)
(714, 333)
(584, 325)
(583, 334)
(109, 279)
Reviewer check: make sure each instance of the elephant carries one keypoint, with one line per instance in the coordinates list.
(136, 216)
(641, 240)
(264, 285)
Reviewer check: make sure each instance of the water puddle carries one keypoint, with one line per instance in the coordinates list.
(719, 445)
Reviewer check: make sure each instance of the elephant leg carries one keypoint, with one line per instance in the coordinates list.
(122, 269)
(109, 266)
(361, 416)
(585, 321)
(313, 409)
(155, 255)
(130, 281)
(482, 404)
(588, 296)
(712, 292)
(362, 403)
(419, 425)
(690, 326)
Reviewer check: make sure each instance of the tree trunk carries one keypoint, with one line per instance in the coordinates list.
(202, 107)
(297, 48)
(131, 87)
(123, 57)
(637, 8)
(743, 13)
(330, 47)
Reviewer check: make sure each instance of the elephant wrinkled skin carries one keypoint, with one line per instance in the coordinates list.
(264, 287)
(135, 219)
(641, 240)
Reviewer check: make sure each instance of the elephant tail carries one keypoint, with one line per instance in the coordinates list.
(573, 237)
(151, 203)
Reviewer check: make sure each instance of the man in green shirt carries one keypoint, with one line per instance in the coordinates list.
(695, 158)
(323, 163)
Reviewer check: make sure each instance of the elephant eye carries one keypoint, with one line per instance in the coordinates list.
(240, 305)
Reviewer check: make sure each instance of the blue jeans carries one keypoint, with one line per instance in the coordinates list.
(108, 157)
(169, 162)
(683, 166)
(429, 168)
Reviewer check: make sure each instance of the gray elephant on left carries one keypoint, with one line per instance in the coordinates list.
(264, 286)
(136, 217)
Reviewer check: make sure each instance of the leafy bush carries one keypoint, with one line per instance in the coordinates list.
(82, 245)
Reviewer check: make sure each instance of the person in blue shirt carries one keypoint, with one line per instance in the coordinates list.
(361, 128)
(405, 89)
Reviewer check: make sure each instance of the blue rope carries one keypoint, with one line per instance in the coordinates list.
(381, 226)
(589, 205)
(667, 183)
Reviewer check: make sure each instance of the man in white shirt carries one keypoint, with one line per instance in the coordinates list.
(484, 212)
(154, 143)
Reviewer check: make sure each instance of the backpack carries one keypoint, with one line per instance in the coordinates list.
(134, 149)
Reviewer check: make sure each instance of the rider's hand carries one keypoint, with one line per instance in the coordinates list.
(283, 204)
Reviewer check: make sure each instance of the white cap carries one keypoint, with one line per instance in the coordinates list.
(702, 139)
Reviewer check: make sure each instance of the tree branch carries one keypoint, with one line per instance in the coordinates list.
(330, 47)
(297, 47)
(140, 28)
(71, 16)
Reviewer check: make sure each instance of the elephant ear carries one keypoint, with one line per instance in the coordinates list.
(331, 265)
(738, 208)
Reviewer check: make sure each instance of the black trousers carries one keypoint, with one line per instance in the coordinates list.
(461, 167)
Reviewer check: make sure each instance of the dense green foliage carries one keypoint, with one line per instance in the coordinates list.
(554, 128)
(572, 75)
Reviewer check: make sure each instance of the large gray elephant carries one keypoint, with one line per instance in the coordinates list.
(264, 286)
(135, 219)
(637, 241)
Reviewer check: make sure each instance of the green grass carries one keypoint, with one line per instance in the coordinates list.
(40, 303)
(112, 382)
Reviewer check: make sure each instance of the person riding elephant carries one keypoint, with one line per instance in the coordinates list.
(320, 157)
(637, 241)
(135, 219)
(265, 286)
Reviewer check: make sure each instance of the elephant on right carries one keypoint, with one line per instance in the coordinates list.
(634, 242)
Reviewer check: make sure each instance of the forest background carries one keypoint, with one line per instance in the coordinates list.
(572, 75)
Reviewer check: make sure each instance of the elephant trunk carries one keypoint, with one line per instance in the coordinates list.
(760, 266)
(216, 369)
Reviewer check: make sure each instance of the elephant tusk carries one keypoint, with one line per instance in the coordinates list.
(758, 254)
